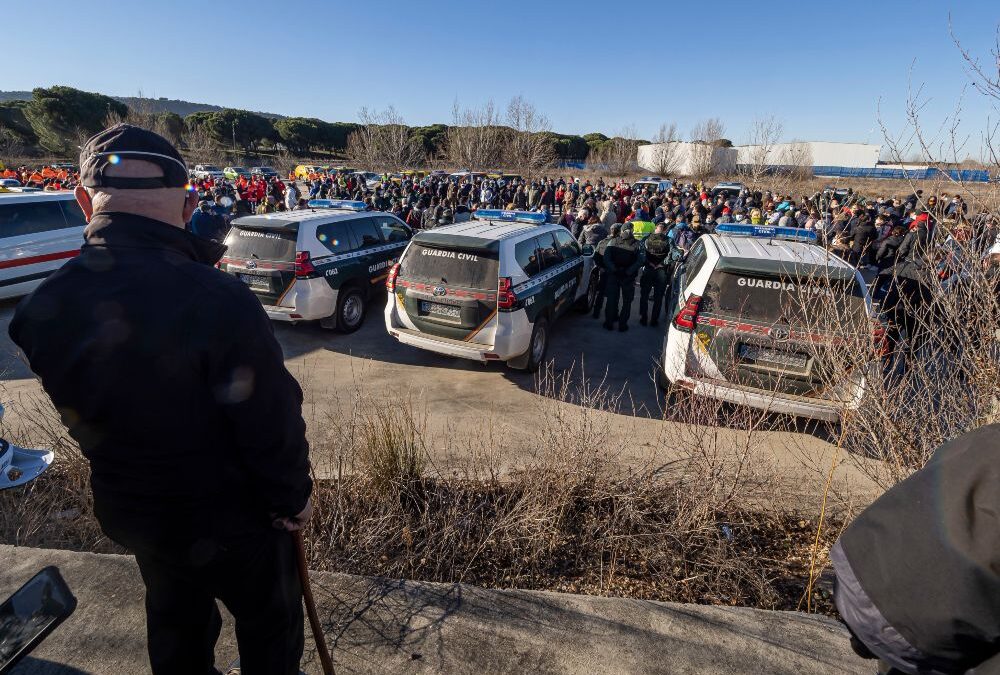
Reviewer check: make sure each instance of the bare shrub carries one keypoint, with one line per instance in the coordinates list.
(666, 160)
(620, 153)
(383, 142)
(705, 136)
(797, 163)
(201, 147)
(704, 527)
(475, 139)
(765, 132)
(55, 510)
(529, 148)
(392, 454)
(707, 526)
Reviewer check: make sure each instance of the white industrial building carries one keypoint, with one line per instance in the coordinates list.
(682, 159)
(685, 156)
(819, 153)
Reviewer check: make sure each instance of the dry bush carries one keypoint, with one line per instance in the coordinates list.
(529, 149)
(620, 153)
(701, 528)
(706, 526)
(55, 510)
(666, 159)
(383, 142)
(475, 139)
(765, 133)
(705, 135)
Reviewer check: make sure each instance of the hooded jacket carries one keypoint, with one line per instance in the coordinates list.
(167, 373)
(927, 556)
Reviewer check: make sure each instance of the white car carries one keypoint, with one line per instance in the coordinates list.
(371, 179)
(10, 183)
(731, 190)
(39, 232)
(207, 171)
(489, 289)
(327, 263)
(652, 183)
(747, 327)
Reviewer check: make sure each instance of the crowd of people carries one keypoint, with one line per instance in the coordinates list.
(50, 178)
(648, 231)
(886, 236)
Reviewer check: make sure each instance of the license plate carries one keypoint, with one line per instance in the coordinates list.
(437, 309)
(781, 358)
(256, 281)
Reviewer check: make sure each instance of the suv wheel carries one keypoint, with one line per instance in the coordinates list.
(351, 310)
(539, 344)
(586, 303)
(661, 379)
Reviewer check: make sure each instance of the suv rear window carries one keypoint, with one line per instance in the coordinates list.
(789, 300)
(453, 267)
(274, 245)
(17, 219)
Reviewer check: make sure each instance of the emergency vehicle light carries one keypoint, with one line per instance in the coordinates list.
(767, 232)
(337, 204)
(530, 217)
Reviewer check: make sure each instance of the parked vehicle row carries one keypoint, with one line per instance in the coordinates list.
(493, 289)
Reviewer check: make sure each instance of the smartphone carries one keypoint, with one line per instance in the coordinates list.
(34, 611)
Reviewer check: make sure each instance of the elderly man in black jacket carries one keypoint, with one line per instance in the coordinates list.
(166, 372)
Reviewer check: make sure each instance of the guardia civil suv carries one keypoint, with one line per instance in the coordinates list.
(326, 263)
(488, 289)
(756, 311)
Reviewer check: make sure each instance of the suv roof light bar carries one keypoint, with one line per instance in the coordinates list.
(767, 232)
(530, 217)
(344, 204)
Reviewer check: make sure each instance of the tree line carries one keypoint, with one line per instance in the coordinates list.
(57, 120)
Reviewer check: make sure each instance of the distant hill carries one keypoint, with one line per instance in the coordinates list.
(15, 96)
(152, 105)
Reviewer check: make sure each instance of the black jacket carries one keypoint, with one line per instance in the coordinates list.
(622, 256)
(927, 552)
(886, 255)
(863, 235)
(167, 373)
(910, 256)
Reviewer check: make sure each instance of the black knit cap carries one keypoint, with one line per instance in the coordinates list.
(124, 141)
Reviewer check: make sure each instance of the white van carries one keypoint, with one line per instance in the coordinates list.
(39, 232)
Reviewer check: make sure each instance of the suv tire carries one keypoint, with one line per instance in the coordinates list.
(538, 347)
(351, 309)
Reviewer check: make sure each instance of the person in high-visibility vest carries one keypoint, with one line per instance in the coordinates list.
(642, 228)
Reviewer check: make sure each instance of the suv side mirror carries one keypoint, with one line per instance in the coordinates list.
(587, 250)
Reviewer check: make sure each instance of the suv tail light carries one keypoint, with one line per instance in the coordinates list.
(881, 338)
(505, 296)
(688, 315)
(390, 281)
(303, 266)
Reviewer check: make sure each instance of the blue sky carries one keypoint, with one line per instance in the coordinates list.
(589, 66)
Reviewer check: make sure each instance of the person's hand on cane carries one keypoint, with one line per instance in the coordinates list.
(296, 522)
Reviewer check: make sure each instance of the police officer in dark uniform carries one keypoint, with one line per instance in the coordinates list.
(621, 265)
(655, 275)
(602, 275)
(167, 373)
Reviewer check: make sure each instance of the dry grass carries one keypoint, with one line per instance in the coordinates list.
(573, 518)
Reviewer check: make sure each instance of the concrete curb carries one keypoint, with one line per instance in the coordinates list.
(395, 626)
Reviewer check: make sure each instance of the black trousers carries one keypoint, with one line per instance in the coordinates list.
(653, 279)
(618, 289)
(255, 577)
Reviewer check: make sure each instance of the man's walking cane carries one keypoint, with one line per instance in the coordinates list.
(317, 630)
